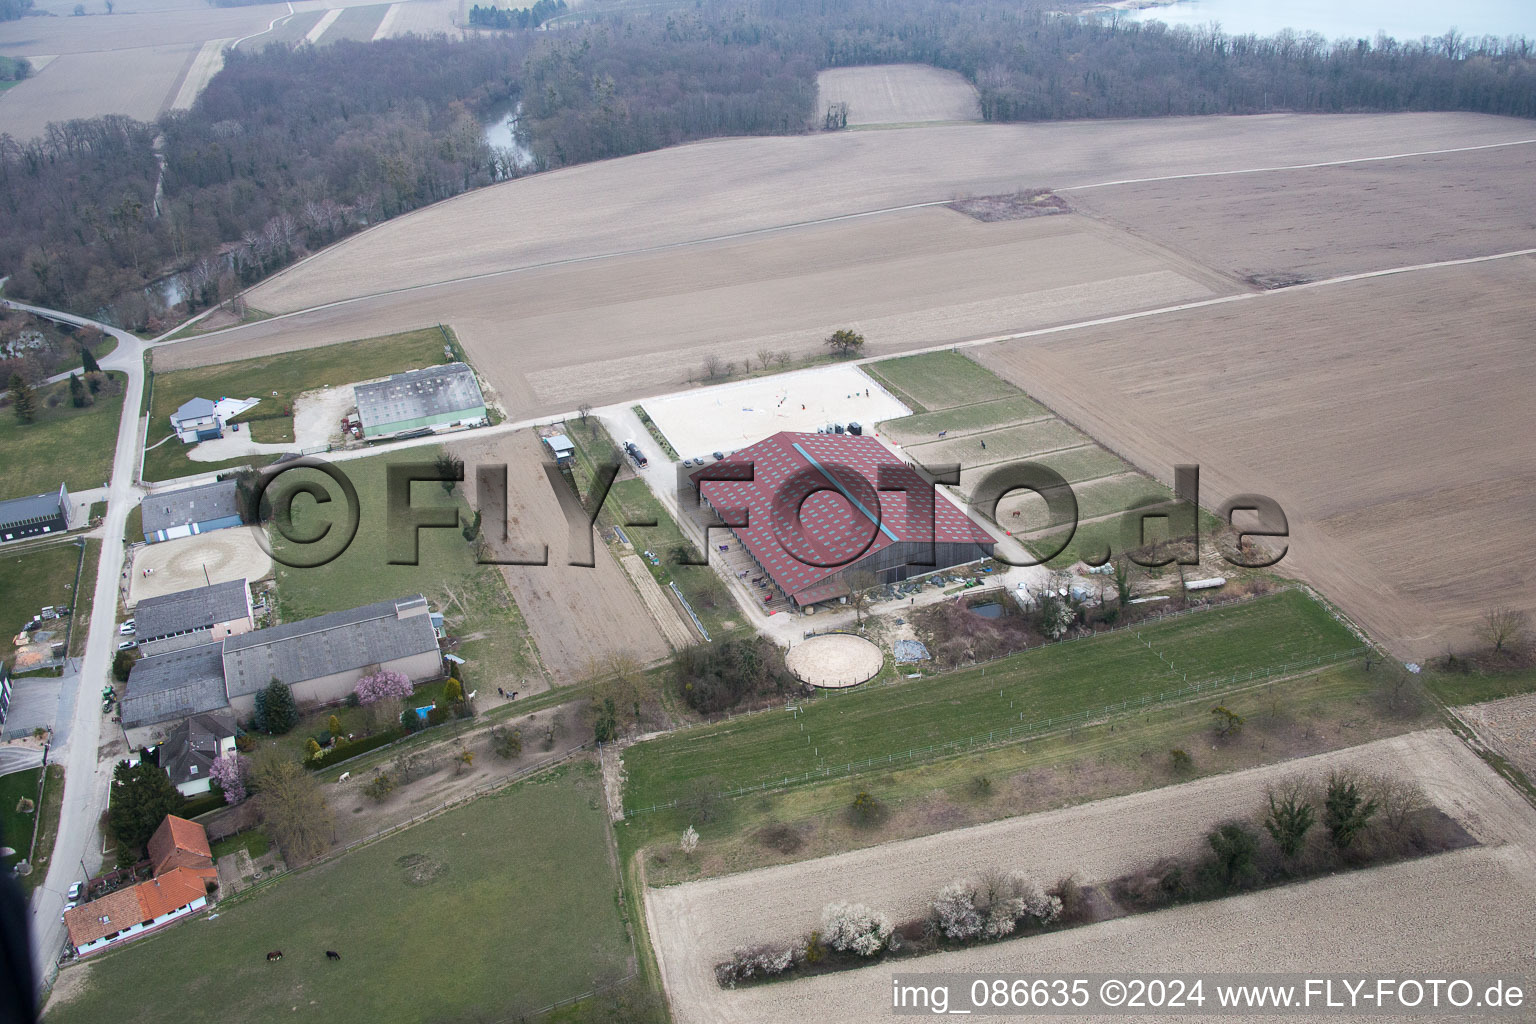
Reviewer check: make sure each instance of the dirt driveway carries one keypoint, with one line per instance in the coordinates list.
(1364, 921)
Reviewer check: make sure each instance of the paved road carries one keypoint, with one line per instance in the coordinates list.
(85, 780)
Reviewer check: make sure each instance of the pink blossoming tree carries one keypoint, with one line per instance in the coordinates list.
(382, 685)
(230, 772)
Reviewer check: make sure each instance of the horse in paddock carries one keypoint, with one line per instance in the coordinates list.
(276, 954)
(331, 954)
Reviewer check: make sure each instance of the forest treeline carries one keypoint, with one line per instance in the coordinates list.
(492, 16)
(10, 10)
(290, 148)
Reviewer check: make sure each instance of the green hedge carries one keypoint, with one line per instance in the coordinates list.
(338, 754)
(209, 801)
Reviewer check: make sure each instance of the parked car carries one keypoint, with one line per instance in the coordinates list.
(71, 905)
(719, 456)
(77, 890)
(127, 645)
(126, 629)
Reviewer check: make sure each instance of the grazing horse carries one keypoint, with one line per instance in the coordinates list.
(276, 954)
(331, 954)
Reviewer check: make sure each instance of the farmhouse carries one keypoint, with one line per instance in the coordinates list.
(321, 659)
(324, 657)
(200, 419)
(212, 613)
(420, 400)
(183, 876)
(191, 747)
(819, 508)
(35, 515)
(192, 510)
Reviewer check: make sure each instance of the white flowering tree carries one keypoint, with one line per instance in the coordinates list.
(748, 962)
(854, 928)
(992, 908)
(690, 840)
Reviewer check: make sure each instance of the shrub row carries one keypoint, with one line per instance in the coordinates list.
(354, 748)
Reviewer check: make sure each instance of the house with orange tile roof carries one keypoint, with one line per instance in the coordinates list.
(184, 875)
(136, 910)
(179, 843)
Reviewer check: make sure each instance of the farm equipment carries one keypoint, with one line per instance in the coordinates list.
(636, 455)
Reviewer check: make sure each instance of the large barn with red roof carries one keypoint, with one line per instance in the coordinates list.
(815, 509)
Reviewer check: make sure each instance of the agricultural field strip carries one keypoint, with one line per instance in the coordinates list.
(1356, 920)
(1041, 683)
(988, 147)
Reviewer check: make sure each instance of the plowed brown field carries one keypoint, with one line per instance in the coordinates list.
(1389, 416)
(1289, 226)
(598, 332)
(578, 616)
(716, 188)
(898, 94)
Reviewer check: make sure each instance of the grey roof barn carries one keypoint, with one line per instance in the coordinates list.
(201, 504)
(328, 644)
(174, 685)
(188, 611)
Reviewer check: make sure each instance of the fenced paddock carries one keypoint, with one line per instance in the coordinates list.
(834, 661)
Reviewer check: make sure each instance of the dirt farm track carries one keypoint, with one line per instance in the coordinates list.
(1395, 918)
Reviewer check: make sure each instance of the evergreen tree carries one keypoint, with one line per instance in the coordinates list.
(142, 795)
(276, 710)
(77, 394)
(88, 361)
(23, 402)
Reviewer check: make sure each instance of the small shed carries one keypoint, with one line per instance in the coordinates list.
(564, 451)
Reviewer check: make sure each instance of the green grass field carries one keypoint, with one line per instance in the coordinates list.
(63, 444)
(1104, 497)
(289, 374)
(474, 597)
(16, 827)
(1040, 684)
(939, 380)
(1010, 444)
(1076, 465)
(1126, 754)
(499, 907)
(32, 577)
(962, 419)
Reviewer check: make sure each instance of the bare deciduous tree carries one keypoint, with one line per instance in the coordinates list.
(1504, 627)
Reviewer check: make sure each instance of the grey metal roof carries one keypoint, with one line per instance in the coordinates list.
(175, 685)
(29, 509)
(418, 393)
(193, 409)
(188, 610)
(328, 644)
(201, 504)
(195, 742)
